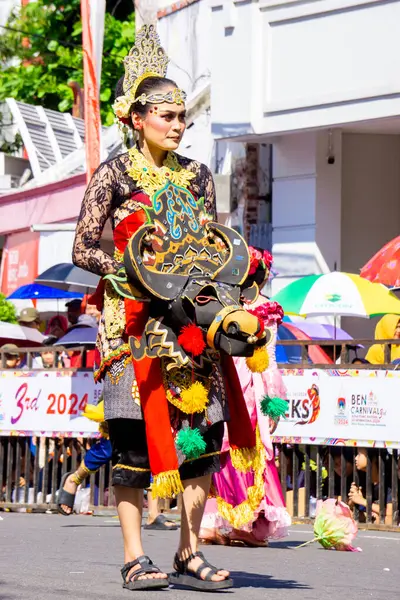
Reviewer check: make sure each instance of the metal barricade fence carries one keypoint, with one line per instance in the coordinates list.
(31, 468)
(31, 475)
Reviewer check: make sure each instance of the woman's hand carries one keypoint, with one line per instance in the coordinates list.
(355, 495)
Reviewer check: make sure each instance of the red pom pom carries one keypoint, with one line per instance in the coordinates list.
(191, 339)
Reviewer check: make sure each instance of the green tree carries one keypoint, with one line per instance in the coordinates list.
(40, 49)
(7, 310)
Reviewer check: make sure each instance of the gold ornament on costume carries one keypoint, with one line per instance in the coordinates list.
(193, 395)
(150, 179)
(147, 58)
(175, 96)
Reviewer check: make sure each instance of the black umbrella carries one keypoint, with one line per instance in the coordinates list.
(66, 276)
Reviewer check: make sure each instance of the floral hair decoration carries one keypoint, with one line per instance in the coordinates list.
(259, 258)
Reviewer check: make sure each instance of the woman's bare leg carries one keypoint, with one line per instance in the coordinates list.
(130, 506)
(194, 499)
(72, 482)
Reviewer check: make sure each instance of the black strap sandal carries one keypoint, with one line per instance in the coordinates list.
(65, 498)
(146, 566)
(160, 524)
(183, 577)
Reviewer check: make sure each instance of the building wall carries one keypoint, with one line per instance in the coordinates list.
(303, 64)
(370, 203)
(328, 194)
(184, 36)
(294, 188)
(370, 196)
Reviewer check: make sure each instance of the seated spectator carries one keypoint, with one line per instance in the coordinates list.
(51, 359)
(29, 317)
(85, 321)
(12, 356)
(356, 496)
(360, 361)
(91, 309)
(74, 309)
(388, 328)
(336, 452)
(56, 328)
(76, 356)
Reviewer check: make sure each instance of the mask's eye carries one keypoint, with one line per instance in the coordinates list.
(233, 328)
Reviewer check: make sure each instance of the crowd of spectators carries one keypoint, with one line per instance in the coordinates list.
(79, 314)
(354, 468)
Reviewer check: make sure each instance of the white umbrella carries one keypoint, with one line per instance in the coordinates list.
(22, 336)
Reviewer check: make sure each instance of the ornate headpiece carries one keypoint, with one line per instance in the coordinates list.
(147, 58)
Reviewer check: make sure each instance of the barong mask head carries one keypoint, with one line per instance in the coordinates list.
(194, 271)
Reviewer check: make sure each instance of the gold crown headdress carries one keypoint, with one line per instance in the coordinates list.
(147, 58)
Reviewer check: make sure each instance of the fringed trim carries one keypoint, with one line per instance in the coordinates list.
(243, 513)
(122, 351)
(167, 484)
(243, 459)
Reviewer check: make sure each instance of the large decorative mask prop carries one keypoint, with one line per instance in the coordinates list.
(192, 270)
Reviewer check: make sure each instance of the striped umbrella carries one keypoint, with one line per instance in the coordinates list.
(344, 294)
(384, 266)
(292, 354)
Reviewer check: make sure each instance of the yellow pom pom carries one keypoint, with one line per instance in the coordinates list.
(259, 361)
(194, 398)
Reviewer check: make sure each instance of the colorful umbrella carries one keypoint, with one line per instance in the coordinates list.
(287, 354)
(35, 291)
(344, 294)
(384, 266)
(292, 354)
(319, 331)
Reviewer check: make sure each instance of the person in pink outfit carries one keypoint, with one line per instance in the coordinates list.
(248, 508)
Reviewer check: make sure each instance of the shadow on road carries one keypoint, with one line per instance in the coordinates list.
(5, 596)
(257, 580)
(102, 525)
(286, 544)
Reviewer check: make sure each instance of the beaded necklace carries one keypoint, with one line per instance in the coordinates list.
(151, 179)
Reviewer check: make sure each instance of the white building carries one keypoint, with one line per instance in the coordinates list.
(319, 80)
(309, 91)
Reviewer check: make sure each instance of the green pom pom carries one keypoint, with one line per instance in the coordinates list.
(191, 443)
(274, 407)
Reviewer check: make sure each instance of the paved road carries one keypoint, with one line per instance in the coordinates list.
(50, 557)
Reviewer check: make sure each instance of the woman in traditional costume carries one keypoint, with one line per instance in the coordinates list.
(165, 423)
(249, 508)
